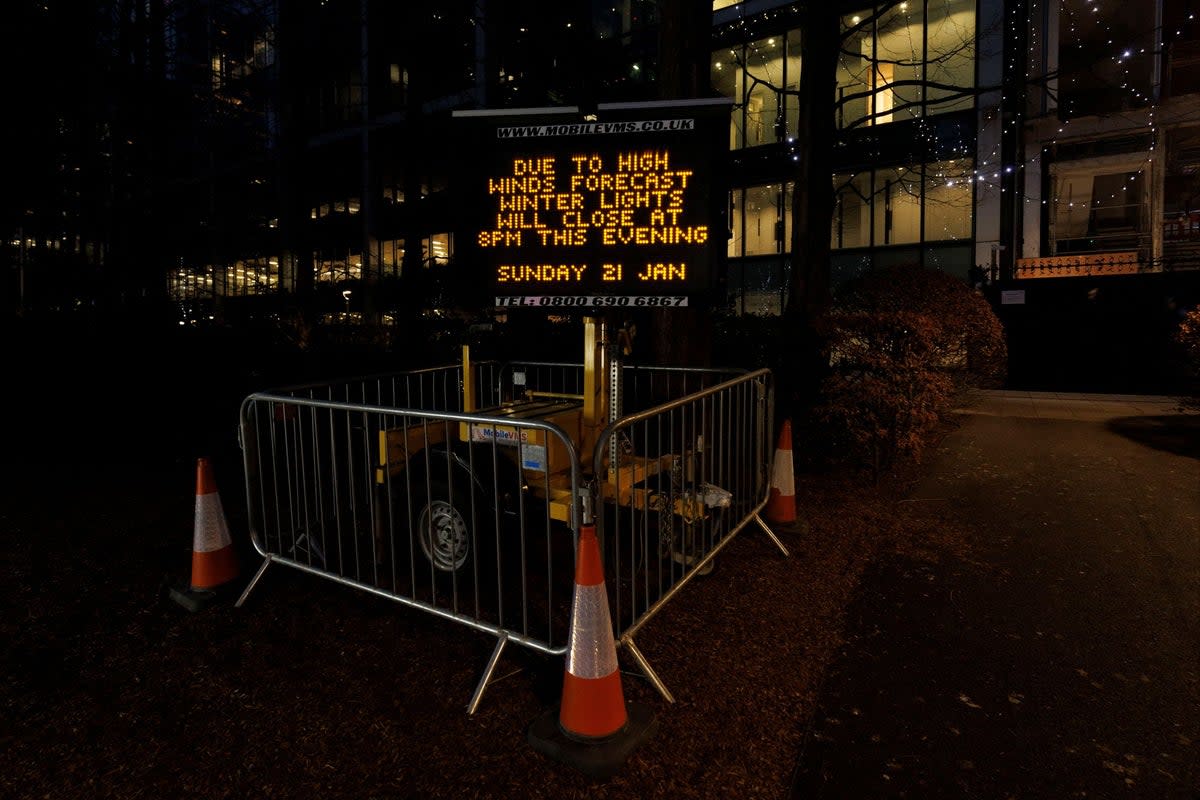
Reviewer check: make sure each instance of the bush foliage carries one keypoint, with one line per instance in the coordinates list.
(1187, 338)
(884, 393)
(901, 345)
(967, 337)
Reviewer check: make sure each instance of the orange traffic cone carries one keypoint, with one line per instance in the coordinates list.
(781, 506)
(214, 561)
(593, 730)
(593, 705)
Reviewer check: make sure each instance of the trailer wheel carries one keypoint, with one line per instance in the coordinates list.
(444, 527)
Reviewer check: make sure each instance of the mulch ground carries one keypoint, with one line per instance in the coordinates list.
(315, 690)
(108, 689)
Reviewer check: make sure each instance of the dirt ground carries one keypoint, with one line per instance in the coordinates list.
(108, 689)
(316, 690)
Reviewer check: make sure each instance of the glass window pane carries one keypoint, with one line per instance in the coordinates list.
(952, 260)
(437, 249)
(1072, 205)
(851, 211)
(899, 53)
(897, 206)
(1116, 203)
(951, 58)
(1099, 211)
(762, 214)
(947, 201)
(895, 257)
(726, 76)
(764, 79)
(735, 223)
(391, 256)
(1106, 59)
(854, 71)
(762, 286)
(792, 66)
(734, 286)
(788, 192)
(847, 266)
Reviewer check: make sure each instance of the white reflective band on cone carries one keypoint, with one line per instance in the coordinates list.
(781, 475)
(592, 652)
(212, 532)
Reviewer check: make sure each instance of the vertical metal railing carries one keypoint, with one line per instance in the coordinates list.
(690, 474)
(431, 509)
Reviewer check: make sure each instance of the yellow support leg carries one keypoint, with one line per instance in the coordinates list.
(595, 385)
(468, 381)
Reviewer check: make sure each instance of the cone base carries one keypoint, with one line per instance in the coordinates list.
(779, 517)
(599, 759)
(193, 599)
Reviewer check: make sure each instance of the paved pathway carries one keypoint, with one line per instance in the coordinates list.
(1062, 659)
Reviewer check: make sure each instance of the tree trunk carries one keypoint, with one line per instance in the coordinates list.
(799, 380)
(812, 195)
(683, 336)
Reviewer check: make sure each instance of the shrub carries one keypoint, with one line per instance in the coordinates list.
(901, 343)
(968, 339)
(1187, 338)
(884, 394)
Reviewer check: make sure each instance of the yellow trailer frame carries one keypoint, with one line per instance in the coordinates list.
(582, 416)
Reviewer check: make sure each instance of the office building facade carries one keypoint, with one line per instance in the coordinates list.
(239, 157)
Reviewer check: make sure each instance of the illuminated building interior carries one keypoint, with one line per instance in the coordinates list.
(228, 167)
(889, 207)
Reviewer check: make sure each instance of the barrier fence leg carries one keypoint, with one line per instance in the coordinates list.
(646, 669)
(253, 582)
(594, 730)
(771, 533)
(487, 675)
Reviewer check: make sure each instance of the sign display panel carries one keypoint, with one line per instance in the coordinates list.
(626, 209)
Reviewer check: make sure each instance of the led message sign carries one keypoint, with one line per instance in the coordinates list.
(618, 212)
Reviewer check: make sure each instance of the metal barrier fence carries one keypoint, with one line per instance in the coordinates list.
(440, 388)
(467, 516)
(384, 483)
(432, 389)
(678, 482)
